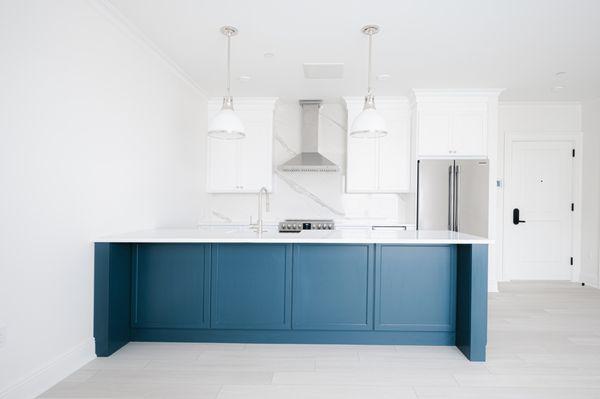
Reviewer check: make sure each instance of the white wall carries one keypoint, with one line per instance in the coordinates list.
(530, 117)
(98, 135)
(310, 195)
(590, 271)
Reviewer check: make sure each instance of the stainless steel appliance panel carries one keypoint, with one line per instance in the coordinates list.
(473, 194)
(434, 200)
(453, 195)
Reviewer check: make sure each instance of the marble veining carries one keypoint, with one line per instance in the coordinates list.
(303, 191)
(221, 217)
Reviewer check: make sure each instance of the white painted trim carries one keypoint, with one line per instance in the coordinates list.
(112, 13)
(246, 103)
(518, 104)
(492, 148)
(589, 280)
(576, 137)
(392, 101)
(423, 96)
(50, 374)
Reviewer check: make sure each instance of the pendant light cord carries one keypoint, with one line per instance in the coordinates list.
(229, 65)
(369, 88)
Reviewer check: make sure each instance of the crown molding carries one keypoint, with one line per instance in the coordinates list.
(454, 95)
(508, 104)
(244, 103)
(379, 100)
(125, 25)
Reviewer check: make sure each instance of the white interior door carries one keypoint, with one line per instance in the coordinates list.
(540, 186)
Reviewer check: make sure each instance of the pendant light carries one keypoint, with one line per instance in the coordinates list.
(226, 125)
(369, 123)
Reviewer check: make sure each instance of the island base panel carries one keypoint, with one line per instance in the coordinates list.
(117, 297)
(471, 300)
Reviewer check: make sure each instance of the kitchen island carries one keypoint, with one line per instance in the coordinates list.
(337, 287)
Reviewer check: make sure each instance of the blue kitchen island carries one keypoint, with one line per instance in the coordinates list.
(330, 287)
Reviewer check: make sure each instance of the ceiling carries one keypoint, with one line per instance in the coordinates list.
(519, 45)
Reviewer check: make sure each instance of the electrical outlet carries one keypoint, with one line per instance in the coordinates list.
(3, 331)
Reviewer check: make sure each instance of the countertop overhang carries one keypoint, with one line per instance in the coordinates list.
(246, 235)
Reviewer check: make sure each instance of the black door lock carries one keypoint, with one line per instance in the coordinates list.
(516, 219)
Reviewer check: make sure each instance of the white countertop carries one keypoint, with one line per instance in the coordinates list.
(343, 236)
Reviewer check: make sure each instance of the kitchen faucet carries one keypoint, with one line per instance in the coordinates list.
(259, 223)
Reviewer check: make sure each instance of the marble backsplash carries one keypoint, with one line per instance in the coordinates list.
(310, 194)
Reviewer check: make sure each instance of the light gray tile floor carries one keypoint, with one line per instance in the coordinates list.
(544, 342)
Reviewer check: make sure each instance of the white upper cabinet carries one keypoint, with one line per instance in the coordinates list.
(245, 165)
(380, 165)
(452, 125)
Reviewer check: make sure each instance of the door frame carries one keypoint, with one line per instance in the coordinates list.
(576, 138)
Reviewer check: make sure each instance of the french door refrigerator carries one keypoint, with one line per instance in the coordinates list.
(453, 195)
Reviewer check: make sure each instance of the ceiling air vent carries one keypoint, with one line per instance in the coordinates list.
(323, 71)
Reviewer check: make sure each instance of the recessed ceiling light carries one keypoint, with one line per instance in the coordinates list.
(557, 88)
(383, 76)
(244, 78)
(269, 54)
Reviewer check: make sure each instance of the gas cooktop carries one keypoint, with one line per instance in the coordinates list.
(297, 225)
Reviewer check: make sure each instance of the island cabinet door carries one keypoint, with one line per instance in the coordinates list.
(251, 285)
(170, 286)
(415, 287)
(332, 287)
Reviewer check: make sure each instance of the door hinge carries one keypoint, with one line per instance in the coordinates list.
(571, 261)
(573, 152)
(572, 207)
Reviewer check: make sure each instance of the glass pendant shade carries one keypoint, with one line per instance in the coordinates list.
(226, 124)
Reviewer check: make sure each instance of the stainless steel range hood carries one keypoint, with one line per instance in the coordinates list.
(309, 160)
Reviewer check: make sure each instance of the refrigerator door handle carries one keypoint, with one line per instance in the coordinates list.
(456, 197)
(450, 199)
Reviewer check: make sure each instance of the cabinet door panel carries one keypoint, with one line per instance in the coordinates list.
(223, 169)
(434, 133)
(170, 286)
(362, 165)
(415, 288)
(332, 287)
(256, 157)
(251, 286)
(469, 132)
(394, 154)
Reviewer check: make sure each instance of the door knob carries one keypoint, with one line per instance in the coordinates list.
(516, 218)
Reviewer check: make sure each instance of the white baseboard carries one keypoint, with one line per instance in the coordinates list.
(590, 280)
(492, 286)
(48, 375)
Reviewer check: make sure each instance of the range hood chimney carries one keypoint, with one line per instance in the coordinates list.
(309, 160)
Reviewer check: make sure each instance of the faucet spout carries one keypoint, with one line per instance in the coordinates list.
(259, 222)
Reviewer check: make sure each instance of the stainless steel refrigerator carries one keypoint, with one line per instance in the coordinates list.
(453, 195)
